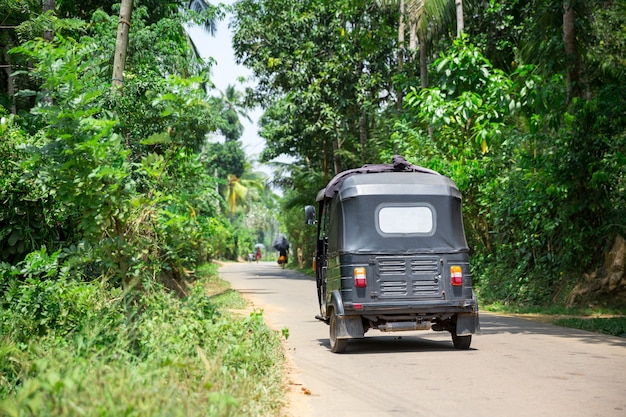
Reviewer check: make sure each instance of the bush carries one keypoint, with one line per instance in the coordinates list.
(150, 354)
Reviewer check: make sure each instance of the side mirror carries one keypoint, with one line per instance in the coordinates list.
(309, 215)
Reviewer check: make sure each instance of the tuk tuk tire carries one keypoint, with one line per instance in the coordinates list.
(461, 342)
(336, 345)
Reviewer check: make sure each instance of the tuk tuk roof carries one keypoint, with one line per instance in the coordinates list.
(429, 183)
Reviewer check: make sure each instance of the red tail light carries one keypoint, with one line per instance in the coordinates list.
(360, 277)
(456, 275)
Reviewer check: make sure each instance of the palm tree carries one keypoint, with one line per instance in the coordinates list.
(425, 19)
(209, 24)
(429, 20)
(242, 191)
(235, 193)
(198, 6)
(460, 23)
(233, 102)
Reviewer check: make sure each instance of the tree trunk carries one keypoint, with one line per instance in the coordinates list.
(10, 79)
(363, 135)
(423, 63)
(412, 39)
(460, 24)
(575, 73)
(401, 36)
(400, 93)
(121, 43)
(336, 159)
(48, 34)
(48, 5)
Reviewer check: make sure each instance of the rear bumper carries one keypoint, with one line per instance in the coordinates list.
(427, 308)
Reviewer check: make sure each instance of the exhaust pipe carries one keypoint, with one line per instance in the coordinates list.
(398, 326)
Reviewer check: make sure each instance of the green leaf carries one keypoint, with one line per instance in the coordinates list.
(157, 138)
(15, 236)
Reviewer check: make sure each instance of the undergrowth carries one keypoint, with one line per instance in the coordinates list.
(615, 326)
(109, 353)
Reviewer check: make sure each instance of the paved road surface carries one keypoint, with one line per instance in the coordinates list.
(516, 367)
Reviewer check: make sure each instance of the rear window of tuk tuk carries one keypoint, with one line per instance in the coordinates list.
(405, 219)
(397, 189)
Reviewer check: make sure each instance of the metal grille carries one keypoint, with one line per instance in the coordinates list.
(419, 280)
(425, 266)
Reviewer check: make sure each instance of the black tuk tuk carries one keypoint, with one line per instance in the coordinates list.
(391, 254)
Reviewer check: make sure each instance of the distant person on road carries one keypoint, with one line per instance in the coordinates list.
(258, 255)
(282, 257)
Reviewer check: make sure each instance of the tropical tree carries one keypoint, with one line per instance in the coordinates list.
(323, 87)
(233, 106)
(106, 163)
(460, 21)
(428, 20)
(577, 85)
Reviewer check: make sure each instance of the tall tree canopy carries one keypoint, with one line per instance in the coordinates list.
(517, 112)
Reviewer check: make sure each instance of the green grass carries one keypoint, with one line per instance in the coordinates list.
(153, 354)
(222, 296)
(614, 326)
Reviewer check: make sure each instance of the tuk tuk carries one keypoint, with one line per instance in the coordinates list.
(391, 254)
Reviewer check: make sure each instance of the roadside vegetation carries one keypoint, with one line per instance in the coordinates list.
(72, 348)
(114, 204)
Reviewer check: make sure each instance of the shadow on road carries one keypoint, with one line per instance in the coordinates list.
(393, 344)
(497, 324)
(268, 270)
(490, 323)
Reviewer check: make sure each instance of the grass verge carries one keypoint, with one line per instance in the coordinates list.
(85, 349)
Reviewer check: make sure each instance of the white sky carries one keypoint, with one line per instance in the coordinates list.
(225, 72)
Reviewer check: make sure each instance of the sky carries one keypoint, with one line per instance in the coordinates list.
(226, 72)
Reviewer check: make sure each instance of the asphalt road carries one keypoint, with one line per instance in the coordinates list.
(515, 367)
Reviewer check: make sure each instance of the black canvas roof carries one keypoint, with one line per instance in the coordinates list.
(398, 164)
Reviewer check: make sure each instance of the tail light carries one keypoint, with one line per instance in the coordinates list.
(456, 275)
(360, 276)
(314, 264)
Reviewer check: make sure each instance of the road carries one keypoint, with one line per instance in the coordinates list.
(515, 367)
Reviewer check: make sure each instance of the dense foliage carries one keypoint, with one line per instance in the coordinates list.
(112, 199)
(524, 111)
(70, 348)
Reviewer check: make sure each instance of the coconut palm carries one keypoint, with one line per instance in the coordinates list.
(198, 6)
(233, 107)
(425, 19)
(241, 192)
(209, 24)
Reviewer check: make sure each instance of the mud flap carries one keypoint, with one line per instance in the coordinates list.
(349, 327)
(467, 323)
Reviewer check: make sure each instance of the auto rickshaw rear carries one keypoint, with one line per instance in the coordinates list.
(391, 255)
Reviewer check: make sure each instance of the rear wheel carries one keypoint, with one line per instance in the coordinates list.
(461, 342)
(336, 345)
